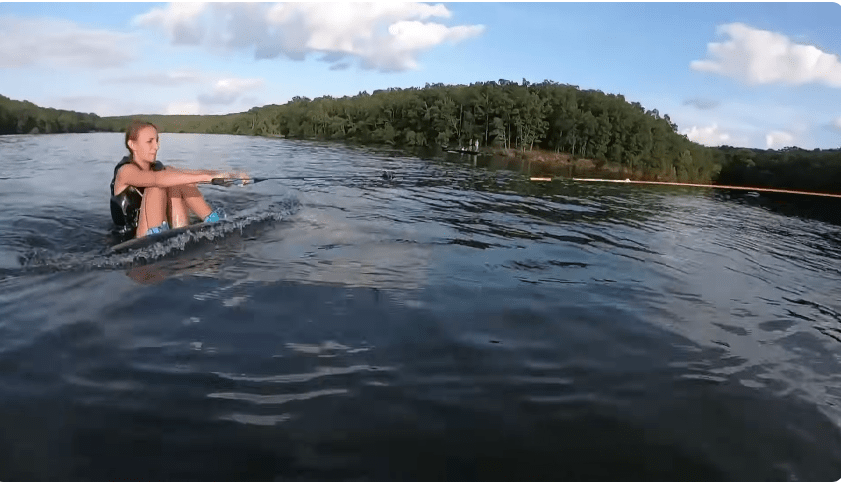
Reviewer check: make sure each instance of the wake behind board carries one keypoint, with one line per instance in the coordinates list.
(138, 243)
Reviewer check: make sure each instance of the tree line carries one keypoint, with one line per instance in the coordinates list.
(794, 168)
(488, 115)
(496, 114)
(23, 117)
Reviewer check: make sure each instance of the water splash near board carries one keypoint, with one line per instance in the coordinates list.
(155, 247)
(188, 233)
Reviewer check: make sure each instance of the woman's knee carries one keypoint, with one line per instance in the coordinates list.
(174, 192)
(185, 191)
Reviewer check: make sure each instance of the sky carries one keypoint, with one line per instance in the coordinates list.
(760, 75)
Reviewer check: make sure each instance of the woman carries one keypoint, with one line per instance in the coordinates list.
(151, 198)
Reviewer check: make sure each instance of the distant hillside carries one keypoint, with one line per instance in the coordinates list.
(818, 170)
(23, 117)
(205, 124)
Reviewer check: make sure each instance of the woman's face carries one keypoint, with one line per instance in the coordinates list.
(145, 147)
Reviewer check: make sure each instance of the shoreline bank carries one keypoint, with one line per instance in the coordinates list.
(567, 165)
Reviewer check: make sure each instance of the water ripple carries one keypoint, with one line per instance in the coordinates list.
(348, 320)
(303, 377)
(275, 399)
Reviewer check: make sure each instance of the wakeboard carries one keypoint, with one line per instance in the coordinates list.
(149, 240)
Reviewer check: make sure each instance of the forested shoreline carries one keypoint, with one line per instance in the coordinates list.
(502, 115)
(615, 134)
(24, 117)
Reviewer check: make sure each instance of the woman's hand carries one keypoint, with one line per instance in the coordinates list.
(239, 178)
(243, 176)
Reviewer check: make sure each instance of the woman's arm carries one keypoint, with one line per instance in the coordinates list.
(131, 175)
(218, 174)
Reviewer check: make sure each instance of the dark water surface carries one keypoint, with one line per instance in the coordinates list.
(455, 323)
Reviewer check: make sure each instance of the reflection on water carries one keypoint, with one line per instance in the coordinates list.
(344, 328)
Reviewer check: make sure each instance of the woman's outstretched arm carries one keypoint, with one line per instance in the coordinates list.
(131, 175)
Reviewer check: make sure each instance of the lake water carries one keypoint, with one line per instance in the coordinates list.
(457, 322)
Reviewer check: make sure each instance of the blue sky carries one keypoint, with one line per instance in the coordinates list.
(743, 74)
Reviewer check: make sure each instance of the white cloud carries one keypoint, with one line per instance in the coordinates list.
(183, 21)
(777, 139)
(385, 36)
(837, 124)
(60, 43)
(183, 108)
(709, 136)
(758, 56)
(159, 79)
(227, 91)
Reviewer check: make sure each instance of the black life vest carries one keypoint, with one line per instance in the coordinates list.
(125, 205)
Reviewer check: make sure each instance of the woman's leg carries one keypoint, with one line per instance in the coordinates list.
(152, 210)
(179, 214)
(182, 200)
